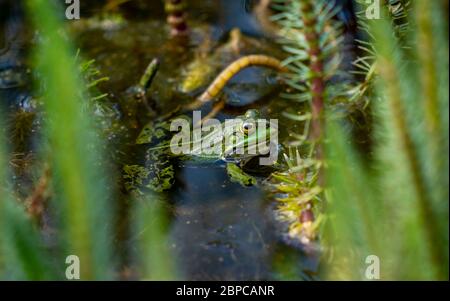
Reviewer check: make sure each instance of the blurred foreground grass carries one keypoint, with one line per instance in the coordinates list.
(81, 181)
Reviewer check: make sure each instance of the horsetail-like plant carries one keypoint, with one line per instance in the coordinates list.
(312, 39)
(397, 207)
(81, 195)
(235, 67)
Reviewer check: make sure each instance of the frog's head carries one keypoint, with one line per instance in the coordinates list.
(249, 137)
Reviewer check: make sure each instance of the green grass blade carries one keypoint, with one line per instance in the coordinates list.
(80, 175)
(158, 263)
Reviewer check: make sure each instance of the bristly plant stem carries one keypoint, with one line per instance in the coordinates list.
(316, 80)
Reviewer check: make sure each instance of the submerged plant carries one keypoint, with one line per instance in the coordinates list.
(176, 17)
(81, 206)
(312, 38)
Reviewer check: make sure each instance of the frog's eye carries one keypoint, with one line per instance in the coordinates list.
(247, 127)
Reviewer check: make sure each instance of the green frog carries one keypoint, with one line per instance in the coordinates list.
(236, 146)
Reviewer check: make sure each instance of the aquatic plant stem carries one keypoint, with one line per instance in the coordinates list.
(317, 81)
(23, 255)
(231, 70)
(390, 76)
(215, 110)
(434, 96)
(149, 74)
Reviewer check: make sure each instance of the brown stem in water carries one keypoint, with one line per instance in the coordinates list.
(231, 70)
(176, 17)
